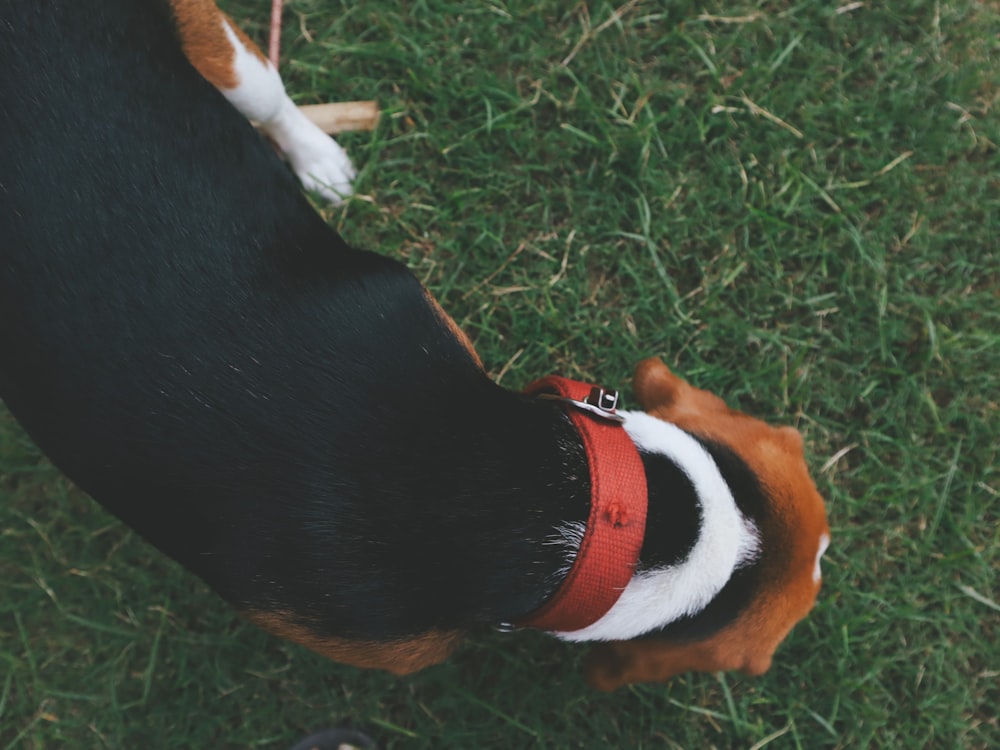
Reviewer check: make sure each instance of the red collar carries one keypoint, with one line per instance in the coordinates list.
(611, 543)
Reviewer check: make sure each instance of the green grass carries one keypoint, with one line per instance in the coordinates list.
(795, 205)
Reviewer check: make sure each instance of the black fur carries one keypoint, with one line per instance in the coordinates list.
(673, 516)
(192, 345)
(286, 416)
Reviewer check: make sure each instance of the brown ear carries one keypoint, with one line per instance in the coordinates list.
(610, 665)
(653, 384)
(792, 438)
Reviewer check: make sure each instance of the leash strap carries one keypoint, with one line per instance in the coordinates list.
(274, 41)
(617, 524)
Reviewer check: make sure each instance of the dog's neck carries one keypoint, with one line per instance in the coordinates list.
(517, 474)
(455, 507)
(504, 476)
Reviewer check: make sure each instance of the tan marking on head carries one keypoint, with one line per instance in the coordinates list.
(205, 42)
(791, 536)
(453, 327)
(400, 657)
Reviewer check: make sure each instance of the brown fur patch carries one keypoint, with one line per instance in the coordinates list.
(205, 42)
(399, 657)
(453, 327)
(790, 538)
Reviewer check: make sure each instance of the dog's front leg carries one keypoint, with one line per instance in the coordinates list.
(229, 60)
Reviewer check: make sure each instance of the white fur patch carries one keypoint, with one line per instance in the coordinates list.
(318, 160)
(727, 541)
(260, 94)
(569, 537)
(824, 542)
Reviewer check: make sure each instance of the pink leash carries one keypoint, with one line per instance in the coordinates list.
(274, 44)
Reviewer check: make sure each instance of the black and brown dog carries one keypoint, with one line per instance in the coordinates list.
(301, 425)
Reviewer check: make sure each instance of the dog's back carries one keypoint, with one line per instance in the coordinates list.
(181, 332)
(300, 424)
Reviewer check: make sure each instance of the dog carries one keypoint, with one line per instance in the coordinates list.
(300, 424)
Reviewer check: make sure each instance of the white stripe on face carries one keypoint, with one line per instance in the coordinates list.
(726, 541)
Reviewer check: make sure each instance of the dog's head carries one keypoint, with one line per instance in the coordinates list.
(784, 580)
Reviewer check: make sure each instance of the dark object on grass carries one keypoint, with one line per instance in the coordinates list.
(337, 739)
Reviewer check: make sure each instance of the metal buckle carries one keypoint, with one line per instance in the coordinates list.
(602, 399)
(600, 402)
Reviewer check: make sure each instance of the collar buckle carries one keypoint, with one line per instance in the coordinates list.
(605, 400)
(601, 402)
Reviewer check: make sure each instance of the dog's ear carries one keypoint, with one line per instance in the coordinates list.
(610, 665)
(654, 385)
(792, 439)
(671, 398)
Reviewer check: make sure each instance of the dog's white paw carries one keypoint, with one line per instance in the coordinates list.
(319, 161)
(323, 166)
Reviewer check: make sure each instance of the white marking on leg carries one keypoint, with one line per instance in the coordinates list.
(727, 540)
(318, 160)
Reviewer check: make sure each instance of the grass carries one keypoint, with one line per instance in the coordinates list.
(794, 203)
